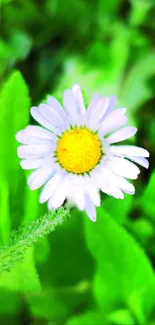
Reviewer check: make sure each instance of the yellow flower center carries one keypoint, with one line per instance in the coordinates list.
(78, 150)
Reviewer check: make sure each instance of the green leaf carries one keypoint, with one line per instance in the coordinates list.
(20, 44)
(148, 198)
(121, 317)
(140, 9)
(119, 209)
(122, 266)
(31, 205)
(15, 104)
(136, 90)
(69, 261)
(23, 277)
(10, 304)
(42, 251)
(5, 220)
(143, 230)
(56, 303)
(90, 318)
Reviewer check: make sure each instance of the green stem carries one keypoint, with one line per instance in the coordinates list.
(27, 236)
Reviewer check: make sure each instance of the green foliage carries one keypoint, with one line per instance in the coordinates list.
(5, 222)
(23, 277)
(15, 104)
(10, 304)
(58, 302)
(27, 236)
(136, 90)
(82, 273)
(148, 199)
(121, 317)
(123, 270)
(117, 208)
(88, 318)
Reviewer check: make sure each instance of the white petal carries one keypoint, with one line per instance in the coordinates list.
(49, 160)
(39, 177)
(95, 174)
(107, 176)
(81, 119)
(76, 192)
(112, 121)
(123, 121)
(94, 101)
(122, 167)
(34, 150)
(51, 101)
(129, 151)
(50, 114)
(59, 196)
(91, 190)
(70, 104)
(90, 208)
(101, 176)
(140, 161)
(112, 102)
(79, 98)
(75, 121)
(50, 187)
(96, 114)
(122, 134)
(76, 196)
(39, 132)
(25, 138)
(42, 120)
(31, 163)
(113, 191)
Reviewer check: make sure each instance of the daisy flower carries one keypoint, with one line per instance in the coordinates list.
(74, 154)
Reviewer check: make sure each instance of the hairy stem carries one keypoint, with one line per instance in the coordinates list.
(27, 235)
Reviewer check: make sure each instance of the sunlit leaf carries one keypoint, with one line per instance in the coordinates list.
(23, 277)
(122, 266)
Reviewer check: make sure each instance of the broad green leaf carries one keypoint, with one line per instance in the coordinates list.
(15, 104)
(121, 317)
(140, 303)
(148, 198)
(23, 277)
(136, 90)
(69, 261)
(57, 303)
(117, 317)
(42, 251)
(46, 306)
(91, 318)
(31, 205)
(143, 230)
(66, 274)
(4, 210)
(10, 304)
(118, 208)
(122, 266)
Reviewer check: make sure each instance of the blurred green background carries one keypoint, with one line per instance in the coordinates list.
(82, 273)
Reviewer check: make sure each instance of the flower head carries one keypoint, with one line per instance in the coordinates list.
(73, 152)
